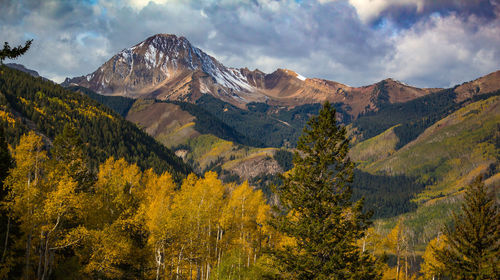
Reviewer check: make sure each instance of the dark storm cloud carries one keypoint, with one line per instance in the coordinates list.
(426, 43)
(405, 16)
(312, 39)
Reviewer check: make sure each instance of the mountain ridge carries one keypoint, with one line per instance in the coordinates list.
(167, 67)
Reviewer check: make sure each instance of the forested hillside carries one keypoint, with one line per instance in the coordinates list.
(29, 103)
(414, 116)
(119, 104)
(443, 160)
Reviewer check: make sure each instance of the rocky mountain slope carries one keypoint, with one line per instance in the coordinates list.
(168, 67)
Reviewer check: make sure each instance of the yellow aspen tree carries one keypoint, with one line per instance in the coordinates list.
(60, 207)
(395, 243)
(109, 249)
(196, 213)
(24, 185)
(264, 232)
(116, 181)
(245, 219)
(398, 243)
(154, 209)
(43, 200)
(207, 205)
(180, 227)
(372, 241)
(112, 221)
(431, 268)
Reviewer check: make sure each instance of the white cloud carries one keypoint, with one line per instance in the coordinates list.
(368, 10)
(139, 4)
(446, 51)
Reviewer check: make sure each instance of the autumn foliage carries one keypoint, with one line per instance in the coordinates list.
(122, 223)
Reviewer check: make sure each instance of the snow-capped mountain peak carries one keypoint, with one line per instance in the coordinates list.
(159, 60)
(169, 67)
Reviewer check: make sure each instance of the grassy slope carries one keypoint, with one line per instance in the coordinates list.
(451, 152)
(166, 122)
(175, 127)
(207, 150)
(375, 148)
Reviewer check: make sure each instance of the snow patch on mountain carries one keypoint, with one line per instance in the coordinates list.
(300, 77)
(150, 57)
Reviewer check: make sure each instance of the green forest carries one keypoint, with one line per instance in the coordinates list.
(37, 104)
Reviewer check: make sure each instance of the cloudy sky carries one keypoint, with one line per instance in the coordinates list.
(426, 43)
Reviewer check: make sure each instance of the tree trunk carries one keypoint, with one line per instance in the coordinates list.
(397, 264)
(6, 240)
(197, 273)
(406, 266)
(28, 252)
(158, 263)
(51, 263)
(217, 244)
(40, 258)
(398, 252)
(46, 257)
(364, 243)
(178, 264)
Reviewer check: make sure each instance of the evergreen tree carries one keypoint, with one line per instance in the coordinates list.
(5, 160)
(8, 52)
(322, 222)
(473, 245)
(68, 156)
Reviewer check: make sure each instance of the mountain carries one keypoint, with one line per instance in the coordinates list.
(482, 85)
(30, 103)
(22, 68)
(222, 119)
(167, 67)
(414, 116)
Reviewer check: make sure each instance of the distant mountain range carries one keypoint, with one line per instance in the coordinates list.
(167, 67)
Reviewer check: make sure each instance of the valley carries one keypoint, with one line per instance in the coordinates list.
(242, 117)
(165, 105)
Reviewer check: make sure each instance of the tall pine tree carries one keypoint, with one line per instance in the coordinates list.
(69, 157)
(322, 223)
(473, 244)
